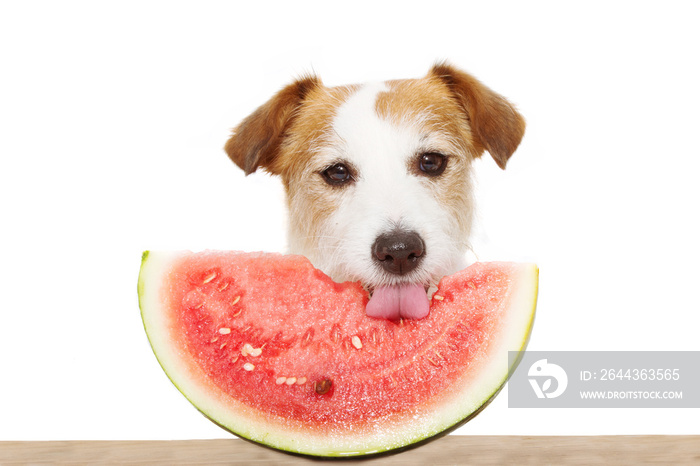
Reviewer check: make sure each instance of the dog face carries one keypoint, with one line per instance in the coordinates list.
(377, 176)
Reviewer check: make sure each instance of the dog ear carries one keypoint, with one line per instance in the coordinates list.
(255, 142)
(494, 121)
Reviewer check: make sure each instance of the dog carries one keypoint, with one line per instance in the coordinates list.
(377, 176)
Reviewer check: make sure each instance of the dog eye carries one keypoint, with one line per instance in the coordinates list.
(337, 174)
(432, 163)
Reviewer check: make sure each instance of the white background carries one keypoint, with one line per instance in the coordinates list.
(112, 120)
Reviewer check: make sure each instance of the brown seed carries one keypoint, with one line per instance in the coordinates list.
(323, 386)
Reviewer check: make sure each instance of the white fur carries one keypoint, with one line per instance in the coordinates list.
(386, 194)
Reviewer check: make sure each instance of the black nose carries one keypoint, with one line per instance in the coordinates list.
(398, 252)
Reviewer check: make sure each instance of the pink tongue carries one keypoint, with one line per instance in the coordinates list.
(400, 301)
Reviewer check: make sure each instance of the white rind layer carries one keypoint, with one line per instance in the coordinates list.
(519, 311)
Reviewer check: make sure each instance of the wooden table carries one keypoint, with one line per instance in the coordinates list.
(454, 449)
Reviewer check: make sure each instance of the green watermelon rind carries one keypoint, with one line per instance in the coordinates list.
(521, 314)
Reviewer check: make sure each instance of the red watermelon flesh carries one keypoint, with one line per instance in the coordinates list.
(275, 351)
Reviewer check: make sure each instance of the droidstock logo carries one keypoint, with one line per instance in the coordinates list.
(546, 372)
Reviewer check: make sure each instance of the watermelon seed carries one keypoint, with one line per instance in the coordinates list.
(356, 342)
(307, 338)
(214, 340)
(335, 333)
(235, 301)
(301, 380)
(280, 380)
(224, 331)
(223, 286)
(199, 306)
(291, 381)
(248, 350)
(322, 387)
(471, 285)
(373, 336)
(222, 346)
(438, 297)
(209, 278)
(234, 358)
(248, 366)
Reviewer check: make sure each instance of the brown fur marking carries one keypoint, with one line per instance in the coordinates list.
(256, 141)
(499, 128)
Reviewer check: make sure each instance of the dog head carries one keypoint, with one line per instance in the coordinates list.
(377, 176)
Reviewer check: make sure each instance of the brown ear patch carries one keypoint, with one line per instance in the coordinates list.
(256, 141)
(496, 124)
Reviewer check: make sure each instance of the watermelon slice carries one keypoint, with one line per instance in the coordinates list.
(270, 348)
